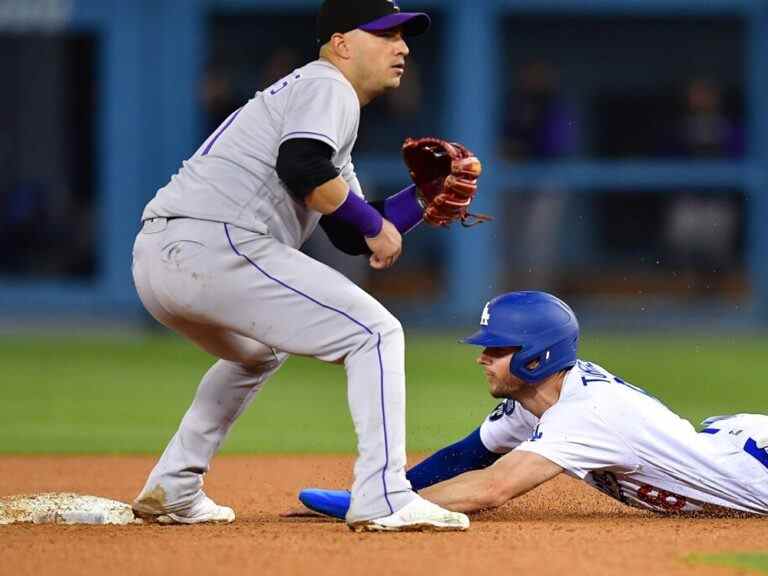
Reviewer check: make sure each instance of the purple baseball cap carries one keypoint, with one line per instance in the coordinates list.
(369, 15)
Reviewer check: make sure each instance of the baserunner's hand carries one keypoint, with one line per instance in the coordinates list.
(386, 247)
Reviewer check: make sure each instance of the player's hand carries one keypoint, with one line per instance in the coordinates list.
(386, 247)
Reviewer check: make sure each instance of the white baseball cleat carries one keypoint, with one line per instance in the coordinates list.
(203, 511)
(418, 516)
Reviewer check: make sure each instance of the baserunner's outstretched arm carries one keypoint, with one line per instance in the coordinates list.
(465, 455)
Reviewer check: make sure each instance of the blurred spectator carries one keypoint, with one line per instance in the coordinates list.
(538, 126)
(47, 196)
(538, 123)
(45, 232)
(218, 96)
(702, 230)
(705, 129)
(23, 228)
(533, 224)
(226, 87)
(280, 63)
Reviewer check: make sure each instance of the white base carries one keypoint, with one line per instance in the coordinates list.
(64, 508)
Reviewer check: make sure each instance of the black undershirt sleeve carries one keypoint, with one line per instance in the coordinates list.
(303, 164)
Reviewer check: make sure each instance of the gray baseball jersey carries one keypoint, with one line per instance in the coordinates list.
(232, 178)
(217, 261)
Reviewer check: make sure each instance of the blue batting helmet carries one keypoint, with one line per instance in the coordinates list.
(542, 326)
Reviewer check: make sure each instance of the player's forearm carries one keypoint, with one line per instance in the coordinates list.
(327, 197)
(511, 476)
(469, 492)
(403, 210)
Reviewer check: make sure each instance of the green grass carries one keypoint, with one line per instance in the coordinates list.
(107, 393)
(755, 561)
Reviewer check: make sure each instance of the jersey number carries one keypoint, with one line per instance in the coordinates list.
(281, 84)
(661, 498)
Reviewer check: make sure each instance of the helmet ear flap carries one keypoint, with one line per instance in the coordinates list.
(533, 362)
(537, 364)
(528, 364)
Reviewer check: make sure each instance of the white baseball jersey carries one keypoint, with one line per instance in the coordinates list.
(627, 444)
(232, 176)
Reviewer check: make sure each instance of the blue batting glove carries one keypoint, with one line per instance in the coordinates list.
(333, 503)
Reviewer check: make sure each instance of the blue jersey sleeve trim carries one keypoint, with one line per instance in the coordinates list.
(757, 453)
(463, 456)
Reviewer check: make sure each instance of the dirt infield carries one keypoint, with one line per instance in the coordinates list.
(562, 528)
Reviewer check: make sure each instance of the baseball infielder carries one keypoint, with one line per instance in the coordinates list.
(217, 260)
(561, 414)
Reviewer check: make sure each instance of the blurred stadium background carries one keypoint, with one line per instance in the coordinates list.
(626, 152)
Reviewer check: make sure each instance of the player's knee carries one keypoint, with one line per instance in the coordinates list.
(386, 331)
(391, 329)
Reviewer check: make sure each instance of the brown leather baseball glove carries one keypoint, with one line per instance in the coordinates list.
(446, 175)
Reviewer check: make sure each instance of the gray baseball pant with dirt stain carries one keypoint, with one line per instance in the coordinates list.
(251, 301)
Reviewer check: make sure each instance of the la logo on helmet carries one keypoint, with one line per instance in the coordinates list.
(485, 316)
(395, 4)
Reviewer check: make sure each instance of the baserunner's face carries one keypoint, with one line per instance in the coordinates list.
(495, 362)
(380, 59)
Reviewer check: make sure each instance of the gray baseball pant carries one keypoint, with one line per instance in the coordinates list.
(251, 301)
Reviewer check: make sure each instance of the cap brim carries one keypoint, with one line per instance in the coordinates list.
(413, 23)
